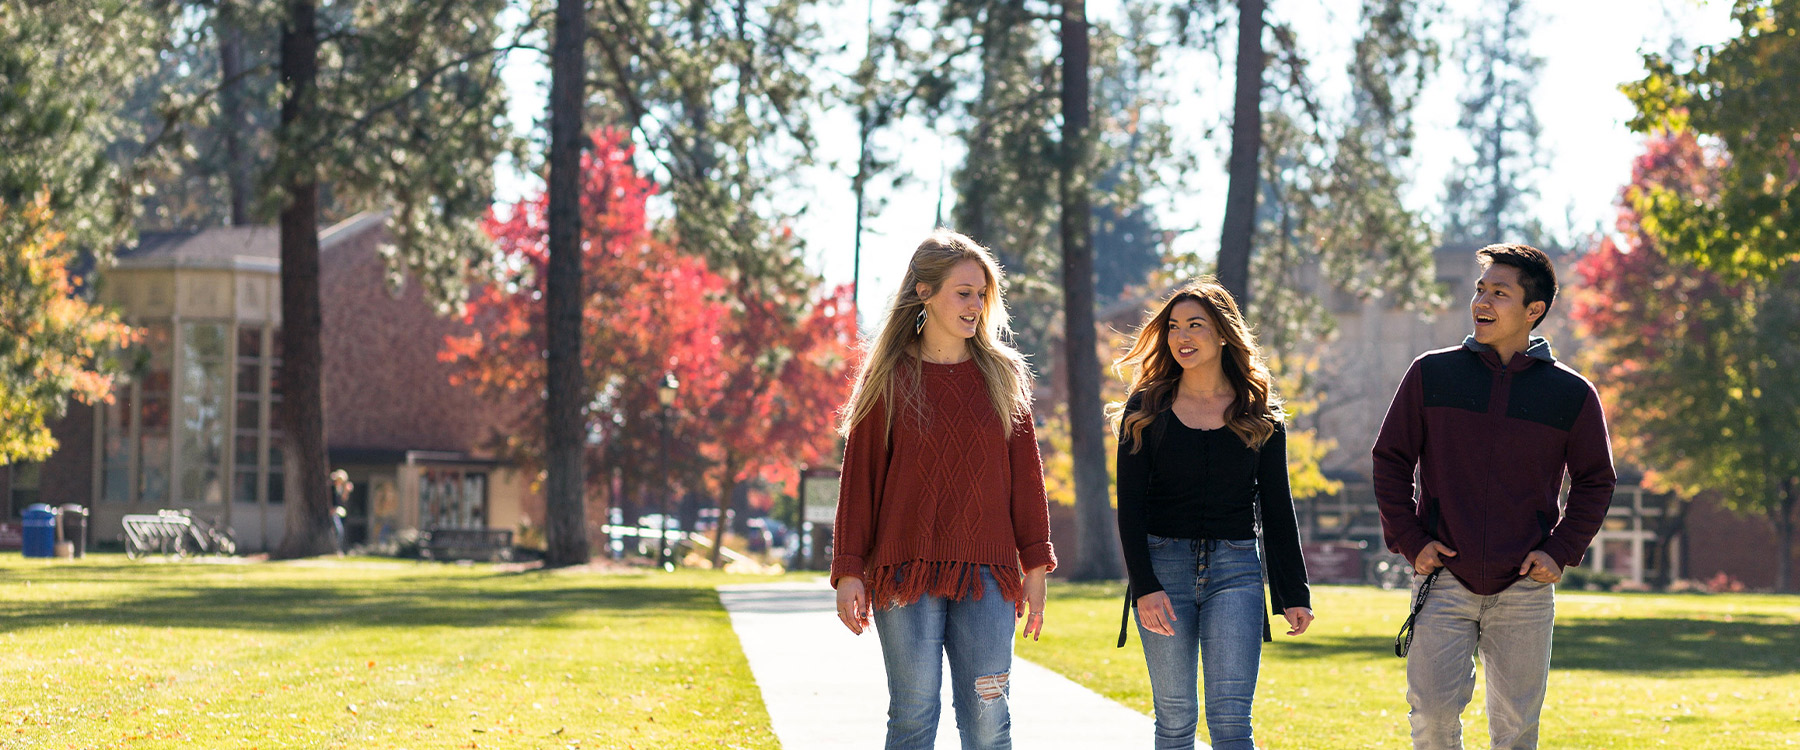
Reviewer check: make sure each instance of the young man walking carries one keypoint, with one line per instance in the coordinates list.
(1491, 426)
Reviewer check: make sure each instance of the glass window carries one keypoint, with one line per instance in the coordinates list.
(249, 342)
(243, 486)
(204, 340)
(202, 428)
(248, 424)
(203, 484)
(153, 473)
(249, 379)
(154, 347)
(1619, 556)
(249, 416)
(115, 476)
(24, 487)
(246, 450)
(153, 417)
(452, 499)
(157, 380)
(153, 413)
(277, 485)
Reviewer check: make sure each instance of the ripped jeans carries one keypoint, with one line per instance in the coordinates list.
(977, 635)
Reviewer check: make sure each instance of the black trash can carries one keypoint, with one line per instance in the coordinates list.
(73, 528)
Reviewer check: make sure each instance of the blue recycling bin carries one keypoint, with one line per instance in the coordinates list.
(40, 531)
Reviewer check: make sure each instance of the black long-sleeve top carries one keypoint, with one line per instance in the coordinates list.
(1203, 484)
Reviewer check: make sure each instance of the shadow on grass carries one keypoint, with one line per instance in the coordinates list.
(1764, 645)
(1756, 645)
(407, 602)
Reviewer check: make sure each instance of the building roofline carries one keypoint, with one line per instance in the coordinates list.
(383, 456)
(148, 253)
(336, 234)
(231, 263)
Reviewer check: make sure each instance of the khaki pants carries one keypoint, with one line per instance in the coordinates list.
(1511, 633)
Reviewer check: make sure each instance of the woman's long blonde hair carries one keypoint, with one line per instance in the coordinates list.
(1254, 411)
(1002, 367)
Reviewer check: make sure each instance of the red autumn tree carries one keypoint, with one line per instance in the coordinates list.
(648, 310)
(1699, 374)
(761, 368)
(787, 371)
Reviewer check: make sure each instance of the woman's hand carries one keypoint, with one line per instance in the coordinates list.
(1032, 606)
(1298, 619)
(1156, 614)
(852, 604)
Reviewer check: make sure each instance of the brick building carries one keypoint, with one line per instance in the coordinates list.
(197, 424)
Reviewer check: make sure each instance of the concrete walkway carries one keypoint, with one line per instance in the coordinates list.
(826, 688)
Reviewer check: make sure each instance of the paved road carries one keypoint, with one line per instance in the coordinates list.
(825, 688)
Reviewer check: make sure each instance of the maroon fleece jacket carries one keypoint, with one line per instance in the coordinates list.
(1491, 443)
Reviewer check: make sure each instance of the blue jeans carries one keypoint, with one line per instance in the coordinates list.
(977, 635)
(1215, 586)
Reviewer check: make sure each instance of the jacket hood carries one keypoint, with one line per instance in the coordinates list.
(1538, 350)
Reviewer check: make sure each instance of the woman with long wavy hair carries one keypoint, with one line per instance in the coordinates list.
(1202, 461)
(943, 531)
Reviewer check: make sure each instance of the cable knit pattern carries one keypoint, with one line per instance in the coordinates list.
(919, 511)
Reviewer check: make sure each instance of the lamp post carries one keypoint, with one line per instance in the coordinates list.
(665, 394)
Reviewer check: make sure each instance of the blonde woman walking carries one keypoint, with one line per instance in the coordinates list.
(943, 532)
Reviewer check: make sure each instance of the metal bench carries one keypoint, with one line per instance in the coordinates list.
(468, 544)
(158, 534)
(175, 533)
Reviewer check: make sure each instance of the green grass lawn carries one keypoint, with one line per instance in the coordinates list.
(1628, 670)
(107, 653)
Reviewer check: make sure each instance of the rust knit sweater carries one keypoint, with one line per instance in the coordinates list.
(921, 512)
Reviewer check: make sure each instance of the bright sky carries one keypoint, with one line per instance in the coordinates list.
(1589, 48)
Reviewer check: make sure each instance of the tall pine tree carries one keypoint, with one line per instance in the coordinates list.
(1491, 197)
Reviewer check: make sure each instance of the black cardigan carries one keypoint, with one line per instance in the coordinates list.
(1284, 566)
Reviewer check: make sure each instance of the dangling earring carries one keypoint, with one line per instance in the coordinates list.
(919, 325)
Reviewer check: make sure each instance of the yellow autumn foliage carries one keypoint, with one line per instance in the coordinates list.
(54, 343)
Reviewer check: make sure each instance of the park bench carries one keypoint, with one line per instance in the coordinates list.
(175, 533)
(468, 544)
(155, 534)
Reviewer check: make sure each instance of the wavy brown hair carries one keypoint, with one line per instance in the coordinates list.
(1154, 373)
(1003, 368)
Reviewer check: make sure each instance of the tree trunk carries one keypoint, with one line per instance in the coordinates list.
(1093, 503)
(302, 360)
(1673, 524)
(565, 508)
(974, 217)
(1784, 534)
(231, 111)
(730, 488)
(1246, 151)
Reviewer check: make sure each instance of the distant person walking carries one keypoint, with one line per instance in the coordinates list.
(341, 486)
(1202, 457)
(943, 531)
(1490, 428)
